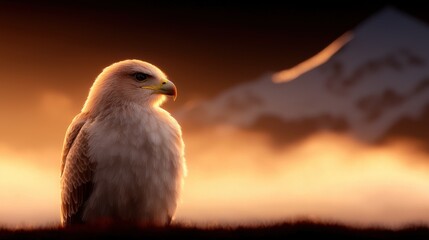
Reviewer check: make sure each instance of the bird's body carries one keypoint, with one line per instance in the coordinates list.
(123, 155)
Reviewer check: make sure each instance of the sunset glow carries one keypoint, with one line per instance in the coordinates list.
(238, 177)
(30, 193)
(325, 177)
(316, 60)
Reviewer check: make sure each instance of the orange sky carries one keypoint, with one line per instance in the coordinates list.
(237, 177)
(49, 58)
(243, 178)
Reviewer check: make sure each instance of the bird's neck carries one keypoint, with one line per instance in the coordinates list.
(124, 113)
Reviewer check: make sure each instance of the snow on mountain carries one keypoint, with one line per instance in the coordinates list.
(367, 80)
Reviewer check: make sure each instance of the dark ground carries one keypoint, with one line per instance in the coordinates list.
(298, 230)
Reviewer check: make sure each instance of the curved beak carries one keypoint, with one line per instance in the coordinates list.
(166, 87)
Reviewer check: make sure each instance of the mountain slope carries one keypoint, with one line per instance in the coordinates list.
(377, 77)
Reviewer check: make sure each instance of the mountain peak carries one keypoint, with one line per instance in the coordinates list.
(374, 77)
(389, 18)
(391, 26)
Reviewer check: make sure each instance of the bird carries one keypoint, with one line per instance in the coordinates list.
(123, 154)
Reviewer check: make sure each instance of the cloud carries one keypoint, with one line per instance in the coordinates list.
(55, 104)
(32, 130)
(237, 177)
(30, 192)
(37, 120)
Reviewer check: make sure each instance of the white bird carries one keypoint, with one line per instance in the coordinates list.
(123, 155)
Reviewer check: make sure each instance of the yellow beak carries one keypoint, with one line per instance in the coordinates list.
(166, 87)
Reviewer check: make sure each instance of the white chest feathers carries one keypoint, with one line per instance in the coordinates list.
(139, 157)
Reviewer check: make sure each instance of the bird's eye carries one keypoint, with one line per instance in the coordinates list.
(140, 76)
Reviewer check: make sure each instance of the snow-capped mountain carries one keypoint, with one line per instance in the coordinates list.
(364, 83)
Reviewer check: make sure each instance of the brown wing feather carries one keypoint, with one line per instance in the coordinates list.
(71, 134)
(76, 172)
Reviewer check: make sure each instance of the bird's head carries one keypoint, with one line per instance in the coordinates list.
(131, 81)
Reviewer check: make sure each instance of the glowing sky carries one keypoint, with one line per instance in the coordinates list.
(230, 182)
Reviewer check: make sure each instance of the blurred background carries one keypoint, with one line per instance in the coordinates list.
(288, 111)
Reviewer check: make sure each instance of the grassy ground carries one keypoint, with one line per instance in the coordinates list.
(299, 230)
